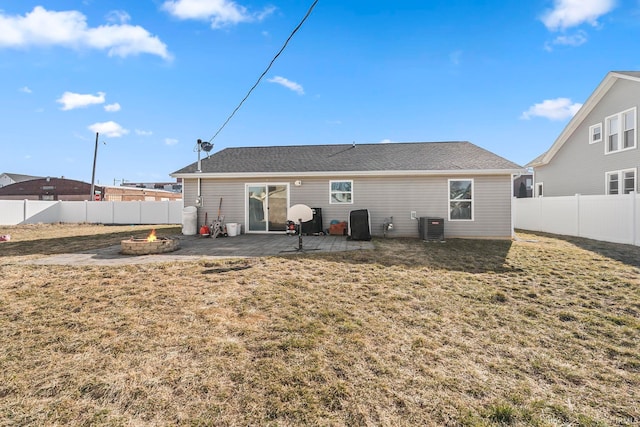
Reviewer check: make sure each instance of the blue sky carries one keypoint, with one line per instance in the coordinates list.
(153, 76)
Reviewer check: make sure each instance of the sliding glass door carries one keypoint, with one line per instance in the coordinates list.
(267, 207)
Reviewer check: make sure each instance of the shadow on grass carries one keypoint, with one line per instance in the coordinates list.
(626, 254)
(468, 255)
(465, 255)
(65, 245)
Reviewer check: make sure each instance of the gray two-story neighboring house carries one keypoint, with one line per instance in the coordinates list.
(597, 152)
(466, 185)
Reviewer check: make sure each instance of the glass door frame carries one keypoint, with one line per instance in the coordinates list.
(266, 185)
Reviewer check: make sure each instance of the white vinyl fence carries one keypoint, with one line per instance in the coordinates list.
(13, 212)
(609, 218)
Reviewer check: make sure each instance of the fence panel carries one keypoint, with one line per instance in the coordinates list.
(559, 215)
(128, 213)
(100, 212)
(41, 211)
(156, 213)
(175, 212)
(527, 213)
(13, 212)
(73, 212)
(609, 218)
(636, 222)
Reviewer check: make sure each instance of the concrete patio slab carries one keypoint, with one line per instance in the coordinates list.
(193, 248)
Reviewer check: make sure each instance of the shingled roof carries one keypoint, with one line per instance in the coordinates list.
(414, 156)
(16, 177)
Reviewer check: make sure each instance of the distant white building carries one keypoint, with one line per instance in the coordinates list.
(175, 187)
(11, 178)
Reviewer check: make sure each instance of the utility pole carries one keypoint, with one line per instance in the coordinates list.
(92, 196)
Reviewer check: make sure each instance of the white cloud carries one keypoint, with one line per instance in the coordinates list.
(297, 88)
(109, 129)
(118, 16)
(143, 132)
(25, 89)
(220, 12)
(69, 29)
(571, 13)
(264, 14)
(385, 141)
(70, 100)
(574, 40)
(112, 108)
(170, 141)
(455, 57)
(552, 109)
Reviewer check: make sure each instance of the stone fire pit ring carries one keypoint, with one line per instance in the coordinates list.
(161, 245)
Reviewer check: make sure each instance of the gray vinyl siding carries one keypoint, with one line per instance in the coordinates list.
(382, 196)
(231, 192)
(579, 167)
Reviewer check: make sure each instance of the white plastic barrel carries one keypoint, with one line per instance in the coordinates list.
(232, 229)
(189, 220)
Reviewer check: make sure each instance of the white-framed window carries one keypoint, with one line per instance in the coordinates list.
(621, 182)
(341, 192)
(595, 133)
(620, 130)
(629, 129)
(461, 200)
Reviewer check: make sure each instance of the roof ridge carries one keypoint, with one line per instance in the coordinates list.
(349, 144)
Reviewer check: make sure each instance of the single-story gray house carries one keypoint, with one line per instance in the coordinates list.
(469, 187)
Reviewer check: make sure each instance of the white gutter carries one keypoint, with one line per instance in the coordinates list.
(456, 172)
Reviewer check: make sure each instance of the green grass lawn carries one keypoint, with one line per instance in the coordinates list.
(539, 331)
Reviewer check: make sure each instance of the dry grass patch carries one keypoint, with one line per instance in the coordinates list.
(32, 240)
(540, 331)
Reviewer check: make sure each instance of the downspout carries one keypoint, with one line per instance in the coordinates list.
(199, 198)
(513, 205)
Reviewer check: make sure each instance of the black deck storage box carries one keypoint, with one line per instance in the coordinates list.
(315, 225)
(360, 225)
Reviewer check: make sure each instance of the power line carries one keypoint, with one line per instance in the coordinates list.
(295, 30)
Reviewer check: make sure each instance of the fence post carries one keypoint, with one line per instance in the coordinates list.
(634, 219)
(540, 216)
(578, 215)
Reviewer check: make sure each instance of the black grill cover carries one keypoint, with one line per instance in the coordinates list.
(359, 225)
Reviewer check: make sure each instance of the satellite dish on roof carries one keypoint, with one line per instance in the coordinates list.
(202, 146)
